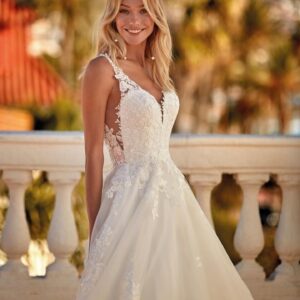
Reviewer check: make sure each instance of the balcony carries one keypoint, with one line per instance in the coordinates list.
(203, 159)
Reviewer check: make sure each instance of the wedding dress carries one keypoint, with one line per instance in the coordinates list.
(151, 240)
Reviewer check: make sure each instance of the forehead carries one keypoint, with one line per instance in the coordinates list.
(132, 3)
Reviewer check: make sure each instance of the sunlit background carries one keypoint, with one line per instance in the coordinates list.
(236, 64)
(236, 70)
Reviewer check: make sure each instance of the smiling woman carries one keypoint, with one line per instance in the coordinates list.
(155, 39)
(134, 24)
(149, 238)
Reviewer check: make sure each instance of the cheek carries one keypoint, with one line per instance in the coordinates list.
(151, 27)
(120, 21)
(148, 21)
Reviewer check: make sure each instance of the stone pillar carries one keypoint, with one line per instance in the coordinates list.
(249, 237)
(203, 185)
(287, 238)
(15, 235)
(62, 237)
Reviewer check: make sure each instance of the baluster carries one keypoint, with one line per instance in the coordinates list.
(203, 185)
(15, 235)
(287, 238)
(62, 236)
(249, 237)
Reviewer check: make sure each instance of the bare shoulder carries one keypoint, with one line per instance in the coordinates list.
(99, 73)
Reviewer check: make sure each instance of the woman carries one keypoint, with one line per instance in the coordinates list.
(150, 239)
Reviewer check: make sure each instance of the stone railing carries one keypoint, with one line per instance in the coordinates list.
(204, 159)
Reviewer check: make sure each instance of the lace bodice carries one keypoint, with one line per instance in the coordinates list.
(140, 124)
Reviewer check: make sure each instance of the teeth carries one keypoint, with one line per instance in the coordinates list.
(135, 31)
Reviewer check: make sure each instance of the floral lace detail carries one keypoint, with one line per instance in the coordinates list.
(198, 262)
(118, 183)
(132, 287)
(95, 260)
(126, 84)
(114, 142)
(114, 139)
(182, 182)
(161, 189)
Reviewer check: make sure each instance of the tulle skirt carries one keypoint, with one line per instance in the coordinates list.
(152, 241)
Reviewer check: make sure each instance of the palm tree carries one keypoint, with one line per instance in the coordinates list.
(236, 47)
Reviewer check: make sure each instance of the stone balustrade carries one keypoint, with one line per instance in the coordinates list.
(204, 158)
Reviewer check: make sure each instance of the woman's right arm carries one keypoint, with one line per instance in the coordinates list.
(96, 87)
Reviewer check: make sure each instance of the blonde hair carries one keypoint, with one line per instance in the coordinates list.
(159, 43)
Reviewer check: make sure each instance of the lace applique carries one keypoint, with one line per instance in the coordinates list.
(155, 214)
(95, 260)
(114, 142)
(161, 189)
(198, 262)
(121, 181)
(178, 199)
(132, 287)
(125, 83)
(103, 240)
(113, 139)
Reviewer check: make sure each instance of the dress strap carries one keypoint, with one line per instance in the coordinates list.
(116, 68)
(125, 83)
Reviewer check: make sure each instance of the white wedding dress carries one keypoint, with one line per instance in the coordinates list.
(151, 240)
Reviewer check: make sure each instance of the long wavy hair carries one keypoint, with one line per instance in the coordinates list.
(159, 43)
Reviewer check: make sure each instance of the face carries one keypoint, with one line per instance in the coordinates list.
(133, 22)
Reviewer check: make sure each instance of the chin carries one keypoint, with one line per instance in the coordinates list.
(135, 42)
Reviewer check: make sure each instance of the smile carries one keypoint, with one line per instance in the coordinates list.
(134, 31)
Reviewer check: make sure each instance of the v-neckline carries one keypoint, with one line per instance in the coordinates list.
(140, 87)
(159, 102)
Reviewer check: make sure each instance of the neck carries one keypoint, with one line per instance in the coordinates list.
(137, 53)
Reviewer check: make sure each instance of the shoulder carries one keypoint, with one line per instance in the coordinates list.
(98, 77)
(98, 80)
(99, 68)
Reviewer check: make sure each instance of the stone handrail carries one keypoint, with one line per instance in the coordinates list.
(204, 158)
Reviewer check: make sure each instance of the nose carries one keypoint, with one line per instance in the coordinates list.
(134, 19)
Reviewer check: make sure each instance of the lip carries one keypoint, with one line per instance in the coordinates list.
(134, 31)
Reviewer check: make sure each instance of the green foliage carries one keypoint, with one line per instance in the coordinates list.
(77, 259)
(225, 205)
(281, 61)
(79, 209)
(245, 45)
(39, 204)
(26, 3)
(3, 206)
(255, 19)
(62, 115)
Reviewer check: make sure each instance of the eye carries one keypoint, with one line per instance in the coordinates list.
(124, 11)
(143, 11)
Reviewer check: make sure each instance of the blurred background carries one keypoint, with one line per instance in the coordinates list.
(236, 64)
(236, 70)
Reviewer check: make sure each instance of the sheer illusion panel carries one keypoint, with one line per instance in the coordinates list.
(113, 132)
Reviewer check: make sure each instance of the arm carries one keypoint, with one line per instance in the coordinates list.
(96, 87)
